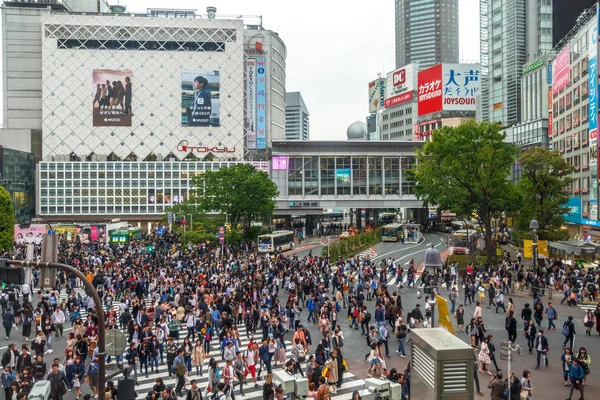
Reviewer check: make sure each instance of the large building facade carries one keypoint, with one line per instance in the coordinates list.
(297, 123)
(511, 33)
(426, 32)
(574, 129)
(124, 109)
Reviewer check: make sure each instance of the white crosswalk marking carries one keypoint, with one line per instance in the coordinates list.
(351, 382)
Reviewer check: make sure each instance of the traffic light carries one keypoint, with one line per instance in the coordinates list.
(10, 274)
(150, 248)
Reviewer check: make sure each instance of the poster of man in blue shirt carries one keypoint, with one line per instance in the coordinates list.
(200, 97)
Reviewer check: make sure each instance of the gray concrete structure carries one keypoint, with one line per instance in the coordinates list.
(426, 32)
(297, 124)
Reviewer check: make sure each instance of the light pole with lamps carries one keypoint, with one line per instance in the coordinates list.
(534, 226)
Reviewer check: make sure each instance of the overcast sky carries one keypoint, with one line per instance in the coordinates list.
(335, 48)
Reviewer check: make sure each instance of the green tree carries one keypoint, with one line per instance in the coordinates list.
(240, 191)
(7, 221)
(465, 170)
(544, 176)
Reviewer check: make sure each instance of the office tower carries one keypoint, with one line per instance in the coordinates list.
(426, 32)
(512, 32)
(296, 117)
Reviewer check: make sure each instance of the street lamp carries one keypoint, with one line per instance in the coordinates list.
(534, 226)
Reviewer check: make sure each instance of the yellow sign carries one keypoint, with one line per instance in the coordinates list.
(444, 319)
(542, 249)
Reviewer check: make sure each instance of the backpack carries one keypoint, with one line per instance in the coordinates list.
(340, 341)
(566, 330)
(367, 318)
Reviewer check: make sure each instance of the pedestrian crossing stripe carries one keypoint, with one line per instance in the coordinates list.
(350, 383)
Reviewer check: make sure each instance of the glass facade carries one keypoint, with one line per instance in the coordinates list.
(350, 176)
(17, 176)
(118, 188)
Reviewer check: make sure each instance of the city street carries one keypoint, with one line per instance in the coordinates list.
(355, 345)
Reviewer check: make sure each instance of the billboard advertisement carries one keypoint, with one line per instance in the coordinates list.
(430, 90)
(113, 92)
(250, 104)
(86, 234)
(200, 101)
(261, 104)
(376, 95)
(461, 85)
(29, 234)
(592, 100)
(574, 214)
(400, 84)
(561, 68)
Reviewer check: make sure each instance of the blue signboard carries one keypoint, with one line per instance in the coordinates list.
(574, 214)
(550, 73)
(261, 104)
(592, 99)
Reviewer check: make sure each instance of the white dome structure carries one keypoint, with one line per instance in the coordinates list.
(357, 131)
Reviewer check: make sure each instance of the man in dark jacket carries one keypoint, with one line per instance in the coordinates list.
(497, 385)
(10, 356)
(569, 327)
(417, 315)
(526, 315)
(58, 383)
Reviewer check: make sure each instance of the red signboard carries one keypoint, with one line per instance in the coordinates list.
(549, 124)
(399, 77)
(430, 90)
(402, 98)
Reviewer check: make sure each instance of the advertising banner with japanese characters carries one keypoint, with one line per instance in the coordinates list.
(261, 104)
(430, 90)
(461, 85)
(400, 84)
(561, 68)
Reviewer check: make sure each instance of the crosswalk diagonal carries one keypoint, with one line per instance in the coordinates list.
(145, 384)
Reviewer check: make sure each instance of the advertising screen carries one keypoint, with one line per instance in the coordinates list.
(561, 67)
(430, 90)
(86, 234)
(200, 100)
(461, 85)
(342, 175)
(29, 234)
(113, 92)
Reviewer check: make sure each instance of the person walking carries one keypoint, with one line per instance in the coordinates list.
(459, 314)
(576, 376)
(58, 383)
(541, 347)
(497, 384)
(584, 362)
(552, 315)
(568, 330)
(511, 326)
(484, 358)
(492, 351)
(589, 320)
(567, 360)
(8, 320)
(530, 334)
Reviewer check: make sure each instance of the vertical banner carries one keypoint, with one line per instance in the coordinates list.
(250, 122)
(592, 100)
(261, 104)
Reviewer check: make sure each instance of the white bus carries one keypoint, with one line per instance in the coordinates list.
(278, 240)
(391, 233)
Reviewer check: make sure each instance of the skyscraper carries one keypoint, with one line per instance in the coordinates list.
(512, 33)
(426, 32)
(565, 15)
(296, 117)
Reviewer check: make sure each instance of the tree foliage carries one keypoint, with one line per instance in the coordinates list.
(7, 221)
(465, 170)
(544, 176)
(240, 191)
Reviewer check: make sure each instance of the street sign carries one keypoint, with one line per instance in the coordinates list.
(170, 218)
(160, 231)
(116, 342)
(325, 241)
(221, 229)
(221, 240)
